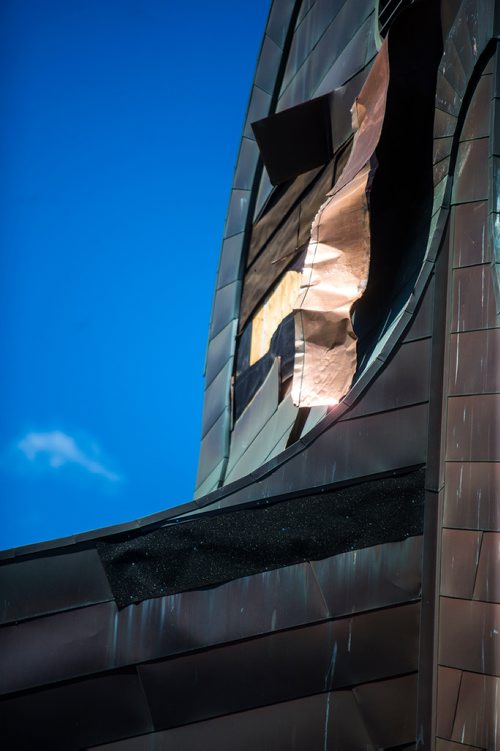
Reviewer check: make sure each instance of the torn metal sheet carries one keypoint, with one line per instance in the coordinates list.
(336, 268)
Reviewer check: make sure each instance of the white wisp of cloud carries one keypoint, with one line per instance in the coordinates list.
(60, 449)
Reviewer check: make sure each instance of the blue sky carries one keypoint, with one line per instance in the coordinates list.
(120, 127)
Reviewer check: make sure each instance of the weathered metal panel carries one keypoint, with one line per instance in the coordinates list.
(473, 299)
(473, 428)
(470, 635)
(76, 715)
(477, 721)
(49, 584)
(472, 495)
(474, 362)
(487, 586)
(448, 684)
(371, 577)
(388, 709)
(459, 559)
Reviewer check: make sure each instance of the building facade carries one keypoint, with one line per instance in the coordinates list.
(334, 584)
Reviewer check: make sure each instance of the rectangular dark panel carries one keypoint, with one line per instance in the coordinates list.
(76, 715)
(473, 428)
(474, 362)
(472, 495)
(51, 583)
(459, 559)
(295, 140)
(371, 577)
(389, 710)
(478, 713)
(487, 585)
(469, 635)
(473, 299)
(447, 697)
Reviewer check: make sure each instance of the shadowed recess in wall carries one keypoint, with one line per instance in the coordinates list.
(219, 547)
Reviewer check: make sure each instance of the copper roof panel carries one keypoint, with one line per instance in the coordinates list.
(459, 559)
(470, 635)
(447, 697)
(470, 239)
(473, 428)
(477, 721)
(473, 299)
(474, 362)
(487, 585)
(472, 495)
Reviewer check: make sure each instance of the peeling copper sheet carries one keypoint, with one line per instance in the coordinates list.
(273, 310)
(336, 268)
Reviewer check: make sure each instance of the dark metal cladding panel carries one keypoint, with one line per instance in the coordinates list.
(227, 679)
(225, 307)
(477, 123)
(216, 397)
(421, 325)
(474, 362)
(258, 108)
(440, 170)
(302, 725)
(399, 384)
(245, 167)
(269, 62)
(389, 710)
(473, 299)
(471, 172)
(478, 712)
(357, 448)
(459, 559)
(242, 608)
(237, 212)
(447, 697)
(346, 728)
(76, 715)
(444, 124)
(447, 97)
(470, 240)
(470, 635)
(487, 585)
(214, 447)
(442, 148)
(374, 645)
(282, 666)
(51, 583)
(473, 428)
(472, 495)
(453, 65)
(56, 647)
(275, 214)
(295, 140)
(219, 352)
(229, 260)
(371, 577)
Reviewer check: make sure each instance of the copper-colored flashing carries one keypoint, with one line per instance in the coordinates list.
(336, 268)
